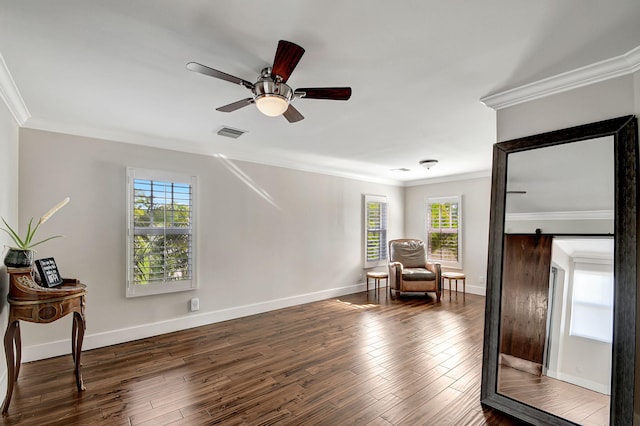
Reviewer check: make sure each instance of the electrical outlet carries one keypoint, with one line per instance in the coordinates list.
(481, 279)
(195, 304)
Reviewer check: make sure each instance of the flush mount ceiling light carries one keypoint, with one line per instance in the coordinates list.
(427, 164)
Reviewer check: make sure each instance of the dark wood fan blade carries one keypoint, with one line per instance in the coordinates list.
(236, 105)
(334, 93)
(292, 115)
(202, 69)
(287, 57)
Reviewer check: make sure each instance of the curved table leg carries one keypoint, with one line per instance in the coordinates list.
(79, 326)
(11, 342)
(74, 337)
(18, 345)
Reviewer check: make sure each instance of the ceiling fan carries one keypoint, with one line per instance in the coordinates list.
(271, 94)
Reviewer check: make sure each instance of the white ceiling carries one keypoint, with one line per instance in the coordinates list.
(116, 69)
(572, 177)
(586, 247)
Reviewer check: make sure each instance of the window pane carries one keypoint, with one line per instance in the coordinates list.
(376, 229)
(162, 239)
(442, 232)
(592, 305)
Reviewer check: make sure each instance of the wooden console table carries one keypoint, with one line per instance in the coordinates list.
(30, 302)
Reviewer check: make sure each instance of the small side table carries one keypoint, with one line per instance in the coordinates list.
(377, 276)
(455, 276)
(32, 303)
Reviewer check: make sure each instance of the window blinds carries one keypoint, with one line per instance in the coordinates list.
(375, 230)
(162, 231)
(443, 230)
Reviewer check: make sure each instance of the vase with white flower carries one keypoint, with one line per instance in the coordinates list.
(21, 255)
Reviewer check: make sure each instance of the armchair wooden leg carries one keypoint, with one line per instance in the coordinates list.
(438, 296)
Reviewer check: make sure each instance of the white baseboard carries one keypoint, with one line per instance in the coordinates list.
(579, 381)
(113, 337)
(3, 380)
(475, 289)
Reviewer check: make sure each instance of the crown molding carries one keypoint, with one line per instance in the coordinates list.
(600, 71)
(169, 144)
(11, 95)
(449, 178)
(567, 215)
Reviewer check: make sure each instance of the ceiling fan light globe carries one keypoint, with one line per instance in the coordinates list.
(272, 105)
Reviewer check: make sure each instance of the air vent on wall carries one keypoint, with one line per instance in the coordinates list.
(230, 132)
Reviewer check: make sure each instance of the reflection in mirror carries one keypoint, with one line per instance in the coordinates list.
(556, 316)
(562, 364)
(561, 189)
(563, 205)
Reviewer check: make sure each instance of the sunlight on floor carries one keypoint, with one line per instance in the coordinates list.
(357, 305)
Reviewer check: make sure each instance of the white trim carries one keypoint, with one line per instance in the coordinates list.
(567, 215)
(473, 289)
(591, 258)
(578, 381)
(618, 66)
(11, 95)
(3, 378)
(145, 140)
(114, 337)
(450, 178)
(194, 147)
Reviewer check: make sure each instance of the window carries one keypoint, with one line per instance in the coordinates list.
(444, 231)
(375, 221)
(592, 302)
(160, 234)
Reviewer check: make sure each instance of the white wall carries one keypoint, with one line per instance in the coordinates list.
(562, 262)
(8, 207)
(476, 197)
(600, 101)
(253, 255)
(581, 361)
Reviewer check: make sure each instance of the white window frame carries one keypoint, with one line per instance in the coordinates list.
(440, 200)
(602, 267)
(384, 231)
(169, 286)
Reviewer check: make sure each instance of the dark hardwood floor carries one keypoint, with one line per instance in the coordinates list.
(575, 403)
(355, 359)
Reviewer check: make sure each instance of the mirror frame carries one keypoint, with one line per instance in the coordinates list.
(625, 133)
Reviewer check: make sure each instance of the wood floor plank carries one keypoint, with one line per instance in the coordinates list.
(355, 359)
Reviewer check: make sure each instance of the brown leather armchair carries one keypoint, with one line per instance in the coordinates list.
(409, 270)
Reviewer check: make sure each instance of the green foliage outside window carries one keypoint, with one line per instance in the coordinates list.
(443, 232)
(376, 231)
(162, 231)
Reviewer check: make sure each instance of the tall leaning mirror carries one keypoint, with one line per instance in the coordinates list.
(560, 320)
